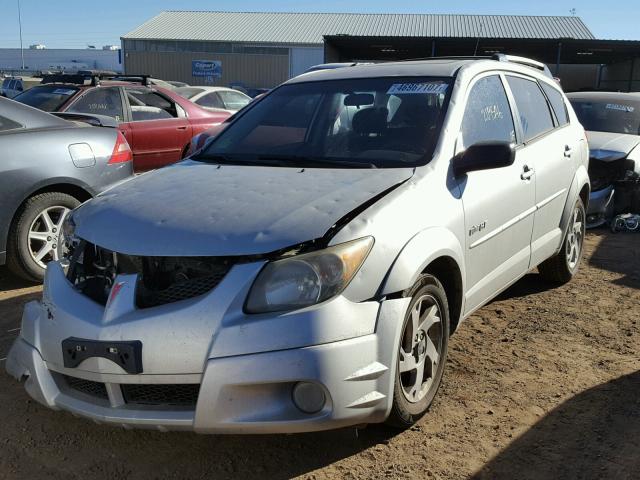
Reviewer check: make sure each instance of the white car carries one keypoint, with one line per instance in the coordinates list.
(304, 270)
(215, 98)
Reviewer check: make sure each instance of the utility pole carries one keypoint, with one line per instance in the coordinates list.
(20, 26)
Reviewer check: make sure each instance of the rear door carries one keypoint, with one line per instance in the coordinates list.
(498, 203)
(160, 130)
(548, 148)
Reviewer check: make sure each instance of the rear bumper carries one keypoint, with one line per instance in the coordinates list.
(238, 394)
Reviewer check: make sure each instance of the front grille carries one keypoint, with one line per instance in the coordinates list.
(94, 389)
(161, 280)
(181, 290)
(161, 394)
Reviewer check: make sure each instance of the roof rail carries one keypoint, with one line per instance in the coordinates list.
(142, 79)
(75, 79)
(501, 57)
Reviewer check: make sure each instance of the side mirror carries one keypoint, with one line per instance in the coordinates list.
(484, 156)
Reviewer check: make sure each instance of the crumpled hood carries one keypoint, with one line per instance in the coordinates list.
(197, 209)
(608, 147)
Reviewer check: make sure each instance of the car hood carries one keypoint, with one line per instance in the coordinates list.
(197, 209)
(607, 147)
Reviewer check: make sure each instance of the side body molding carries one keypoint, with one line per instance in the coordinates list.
(418, 253)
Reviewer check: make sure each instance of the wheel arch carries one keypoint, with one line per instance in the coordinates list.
(580, 188)
(435, 251)
(69, 186)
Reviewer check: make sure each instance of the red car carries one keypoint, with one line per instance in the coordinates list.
(157, 123)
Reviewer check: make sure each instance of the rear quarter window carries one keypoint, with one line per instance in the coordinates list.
(557, 103)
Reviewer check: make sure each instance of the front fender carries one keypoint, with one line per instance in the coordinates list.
(425, 247)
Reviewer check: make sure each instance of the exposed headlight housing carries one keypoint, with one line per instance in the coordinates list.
(307, 279)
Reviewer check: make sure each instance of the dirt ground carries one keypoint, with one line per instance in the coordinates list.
(542, 383)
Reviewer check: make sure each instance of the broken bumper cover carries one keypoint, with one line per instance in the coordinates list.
(238, 394)
(600, 207)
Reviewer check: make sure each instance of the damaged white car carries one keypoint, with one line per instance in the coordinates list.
(305, 269)
(612, 121)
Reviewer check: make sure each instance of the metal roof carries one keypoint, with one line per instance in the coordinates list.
(310, 28)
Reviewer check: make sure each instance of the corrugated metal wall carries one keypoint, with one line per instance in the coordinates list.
(303, 58)
(251, 71)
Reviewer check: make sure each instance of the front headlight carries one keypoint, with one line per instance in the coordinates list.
(307, 279)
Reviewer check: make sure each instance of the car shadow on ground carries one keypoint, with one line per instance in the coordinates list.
(530, 284)
(601, 423)
(9, 281)
(617, 254)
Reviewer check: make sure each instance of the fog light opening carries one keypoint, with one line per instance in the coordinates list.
(308, 397)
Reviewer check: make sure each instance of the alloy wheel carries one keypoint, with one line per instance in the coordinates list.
(575, 238)
(45, 235)
(420, 349)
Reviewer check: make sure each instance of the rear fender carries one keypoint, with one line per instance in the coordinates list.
(580, 179)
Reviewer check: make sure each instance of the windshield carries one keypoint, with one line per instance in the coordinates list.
(614, 115)
(373, 122)
(47, 97)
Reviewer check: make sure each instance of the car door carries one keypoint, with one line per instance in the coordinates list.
(548, 147)
(160, 130)
(498, 203)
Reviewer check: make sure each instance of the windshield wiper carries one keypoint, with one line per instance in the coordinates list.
(303, 161)
(225, 160)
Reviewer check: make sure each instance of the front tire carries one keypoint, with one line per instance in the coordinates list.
(422, 353)
(562, 267)
(35, 237)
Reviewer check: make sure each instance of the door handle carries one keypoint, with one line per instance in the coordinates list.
(181, 128)
(567, 151)
(527, 172)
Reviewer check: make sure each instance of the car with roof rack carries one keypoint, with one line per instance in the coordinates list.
(157, 123)
(332, 237)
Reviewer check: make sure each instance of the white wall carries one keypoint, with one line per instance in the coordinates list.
(65, 58)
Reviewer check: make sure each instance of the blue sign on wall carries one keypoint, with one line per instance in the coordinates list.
(206, 68)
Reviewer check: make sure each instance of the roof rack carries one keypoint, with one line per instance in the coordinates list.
(75, 79)
(142, 79)
(501, 57)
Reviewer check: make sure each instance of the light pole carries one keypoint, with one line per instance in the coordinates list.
(20, 27)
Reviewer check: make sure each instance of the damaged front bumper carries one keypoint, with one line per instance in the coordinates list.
(214, 384)
(600, 207)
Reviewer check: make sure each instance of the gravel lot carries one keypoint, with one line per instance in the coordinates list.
(542, 383)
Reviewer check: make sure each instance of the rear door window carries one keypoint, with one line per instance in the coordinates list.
(557, 102)
(487, 116)
(149, 105)
(6, 83)
(535, 116)
(211, 100)
(100, 101)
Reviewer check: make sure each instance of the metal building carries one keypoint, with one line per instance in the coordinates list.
(261, 50)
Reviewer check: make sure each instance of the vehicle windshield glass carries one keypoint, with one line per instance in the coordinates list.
(352, 123)
(47, 97)
(188, 92)
(608, 115)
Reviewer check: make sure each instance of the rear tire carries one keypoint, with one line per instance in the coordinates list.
(31, 236)
(562, 267)
(422, 353)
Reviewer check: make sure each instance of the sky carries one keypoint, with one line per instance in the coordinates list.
(78, 23)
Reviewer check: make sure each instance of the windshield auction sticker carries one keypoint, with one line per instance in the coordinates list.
(417, 88)
(622, 108)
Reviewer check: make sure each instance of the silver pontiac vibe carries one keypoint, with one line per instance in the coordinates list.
(304, 270)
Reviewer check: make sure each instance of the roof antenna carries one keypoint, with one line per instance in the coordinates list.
(475, 52)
